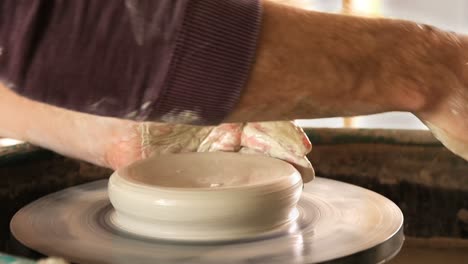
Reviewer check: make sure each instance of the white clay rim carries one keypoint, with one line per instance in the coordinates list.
(215, 171)
(257, 194)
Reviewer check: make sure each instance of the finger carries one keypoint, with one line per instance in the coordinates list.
(307, 173)
(282, 140)
(304, 167)
(276, 138)
(160, 138)
(225, 137)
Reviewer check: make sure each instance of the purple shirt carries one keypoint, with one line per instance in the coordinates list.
(169, 60)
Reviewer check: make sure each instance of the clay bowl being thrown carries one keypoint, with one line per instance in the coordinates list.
(205, 196)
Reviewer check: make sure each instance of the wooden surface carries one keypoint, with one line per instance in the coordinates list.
(433, 251)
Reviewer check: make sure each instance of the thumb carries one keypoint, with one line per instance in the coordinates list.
(302, 165)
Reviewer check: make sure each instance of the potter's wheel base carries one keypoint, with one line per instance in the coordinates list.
(337, 223)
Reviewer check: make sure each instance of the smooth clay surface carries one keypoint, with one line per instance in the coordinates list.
(207, 170)
(205, 196)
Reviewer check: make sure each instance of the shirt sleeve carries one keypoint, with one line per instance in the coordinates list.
(182, 61)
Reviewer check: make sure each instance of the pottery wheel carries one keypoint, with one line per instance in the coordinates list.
(338, 223)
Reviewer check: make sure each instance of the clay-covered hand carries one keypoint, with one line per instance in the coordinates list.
(283, 140)
(445, 108)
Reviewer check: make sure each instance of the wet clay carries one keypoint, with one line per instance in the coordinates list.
(207, 170)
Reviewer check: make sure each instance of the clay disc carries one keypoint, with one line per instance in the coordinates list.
(338, 223)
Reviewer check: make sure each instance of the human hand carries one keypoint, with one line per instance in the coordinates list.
(282, 140)
(445, 108)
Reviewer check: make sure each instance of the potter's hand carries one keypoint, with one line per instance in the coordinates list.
(445, 106)
(282, 140)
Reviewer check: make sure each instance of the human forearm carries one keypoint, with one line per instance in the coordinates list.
(115, 143)
(74, 134)
(311, 65)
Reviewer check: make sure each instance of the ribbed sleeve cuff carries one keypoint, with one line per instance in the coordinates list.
(211, 61)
